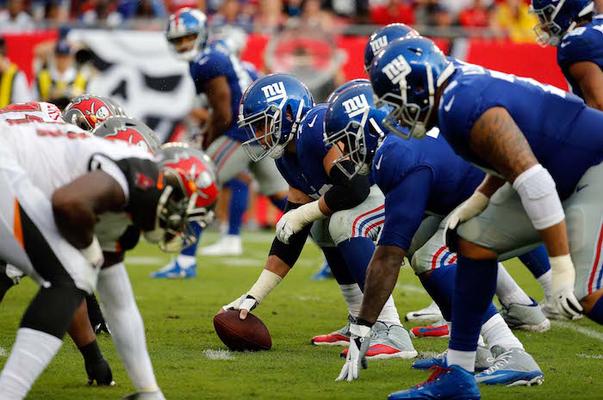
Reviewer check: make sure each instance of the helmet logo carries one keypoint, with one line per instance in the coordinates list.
(102, 113)
(356, 105)
(274, 91)
(397, 69)
(378, 43)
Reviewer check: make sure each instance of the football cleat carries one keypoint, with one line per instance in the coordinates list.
(437, 330)
(174, 271)
(431, 313)
(340, 337)
(525, 317)
(483, 360)
(444, 383)
(513, 367)
(228, 245)
(156, 395)
(388, 341)
(324, 273)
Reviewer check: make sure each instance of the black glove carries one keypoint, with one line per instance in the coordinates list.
(99, 371)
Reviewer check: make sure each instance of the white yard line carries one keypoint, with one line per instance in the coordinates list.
(580, 329)
(145, 260)
(590, 356)
(219, 355)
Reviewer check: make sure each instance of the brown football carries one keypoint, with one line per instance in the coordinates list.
(249, 334)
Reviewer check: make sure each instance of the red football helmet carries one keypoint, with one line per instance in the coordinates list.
(129, 130)
(189, 195)
(87, 111)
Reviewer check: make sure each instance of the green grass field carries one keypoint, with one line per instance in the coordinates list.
(178, 318)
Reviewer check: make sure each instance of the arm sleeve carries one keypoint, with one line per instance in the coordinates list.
(405, 206)
(209, 67)
(346, 193)
(289, 253)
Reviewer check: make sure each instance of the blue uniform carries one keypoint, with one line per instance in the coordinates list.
(564, 134)
(304, 170)
(418, 177)
(215, 61)
(584, 43)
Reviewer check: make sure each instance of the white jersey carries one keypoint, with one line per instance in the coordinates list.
(33, 111)
(54, 155)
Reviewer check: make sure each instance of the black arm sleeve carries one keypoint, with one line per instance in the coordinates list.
(346, 193)
(289, 253)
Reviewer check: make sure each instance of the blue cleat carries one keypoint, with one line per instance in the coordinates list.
(512, 367)
(174, 271)
(452, 383)
(483, 360)
(324, 273)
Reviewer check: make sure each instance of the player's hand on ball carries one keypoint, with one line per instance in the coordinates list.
(359, 343)
(469, 209)
(564, 277)
(99, 372)
(245, 304)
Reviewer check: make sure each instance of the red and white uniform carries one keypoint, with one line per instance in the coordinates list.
(33, 111)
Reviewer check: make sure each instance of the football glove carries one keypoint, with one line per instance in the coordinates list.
(294, 220)
(245, 304)
(99, 371)
(564, 277)
(359, 343)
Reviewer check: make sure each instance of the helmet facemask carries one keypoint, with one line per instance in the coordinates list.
(192, 51)
(548, 32)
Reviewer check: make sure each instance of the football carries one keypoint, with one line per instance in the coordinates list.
(249, 334)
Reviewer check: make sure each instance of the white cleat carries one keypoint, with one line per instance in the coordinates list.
(431, 313)
(228, 245)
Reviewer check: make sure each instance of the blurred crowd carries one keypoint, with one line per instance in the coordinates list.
(503, 18)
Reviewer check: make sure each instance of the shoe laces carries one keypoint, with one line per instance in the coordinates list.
(499, 362)
(436, 373)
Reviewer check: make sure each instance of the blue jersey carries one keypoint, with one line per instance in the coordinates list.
(304, 170)
(419, 177)
(563, 133)
(584, 43)
(215, 61)
(253, 72)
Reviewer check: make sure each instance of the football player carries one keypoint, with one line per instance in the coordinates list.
(543, 182)
(421, 179)
(220, 76)
(81, 328)
(343, 215)
(58, 181)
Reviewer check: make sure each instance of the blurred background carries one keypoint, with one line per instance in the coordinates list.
(53, 50)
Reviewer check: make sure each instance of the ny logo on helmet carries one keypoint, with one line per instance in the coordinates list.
(356, 105)
(397, 69)
(274, 91)
(378, 43)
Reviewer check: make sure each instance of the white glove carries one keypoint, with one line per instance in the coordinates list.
(245, 304)
(469, 209)
(93, 253)
(360, 340)
(563, 277)
(294, 220)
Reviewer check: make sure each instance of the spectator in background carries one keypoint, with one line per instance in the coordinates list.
(314, 17)
(60, 80)
(475, 16)
(230, 14)
(141, 9)
(99, 12)
(293, 8)
(175, 5)
(393, 11)
(514, 20)
(270, 17)
(13, 83)
(15, 18)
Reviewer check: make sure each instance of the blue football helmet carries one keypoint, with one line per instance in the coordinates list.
(352, 126)
(345, 87)
(405, 77)
(270, 111)
(382, 37)
(557, 17)
(183, 24)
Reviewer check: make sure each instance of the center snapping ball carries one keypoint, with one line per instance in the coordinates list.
(249, 334)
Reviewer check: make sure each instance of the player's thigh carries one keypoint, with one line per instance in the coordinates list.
(229, 158)
(364, 220)
(30, 240)
(268, 177)
(319, 232)
(503, 226)
(433, 253)
(584, 218)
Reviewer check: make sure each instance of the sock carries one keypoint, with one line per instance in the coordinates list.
(357, 253)
(508, 291)
(127, 328)
(439, 283)
(537, 261)
(596, 313)
(32, 352)
(186, 261)
(279, 202)
(94, 312)
(191, 250)
(496, 332)
(475, 284)
(546, 282)
(353, 298)
(389, 315)
(239, 200)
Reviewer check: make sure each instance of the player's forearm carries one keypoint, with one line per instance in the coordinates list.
(490, 185)
(74, 220)
(219, 122)
(381, 279)
(555, 239)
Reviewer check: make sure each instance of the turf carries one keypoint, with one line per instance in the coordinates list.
(178, 317)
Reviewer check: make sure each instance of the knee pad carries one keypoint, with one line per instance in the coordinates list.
(339, 227)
